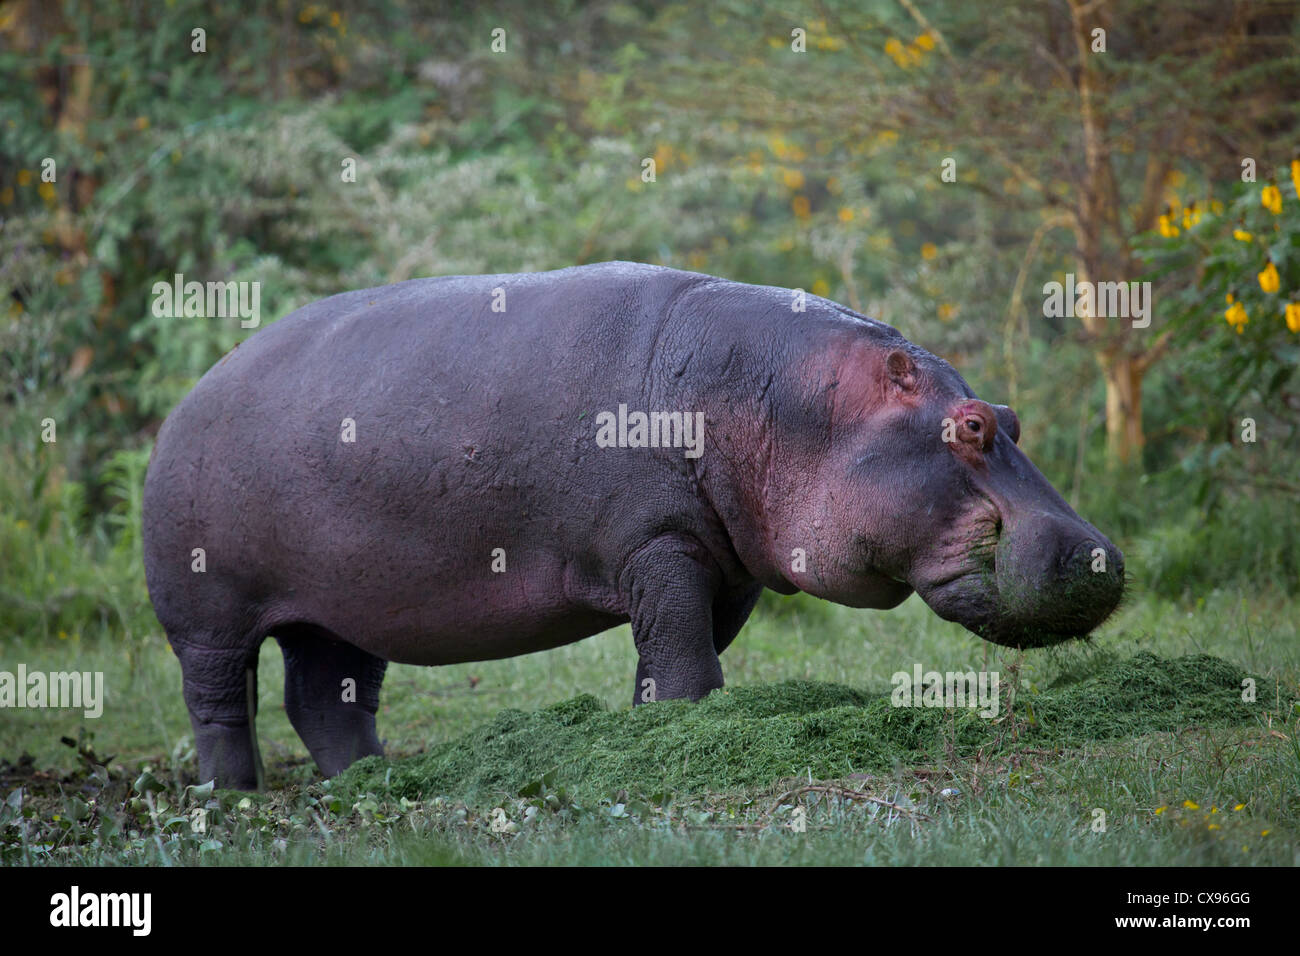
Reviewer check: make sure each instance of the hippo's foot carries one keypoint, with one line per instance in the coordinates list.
(670, 586)
(331, 693)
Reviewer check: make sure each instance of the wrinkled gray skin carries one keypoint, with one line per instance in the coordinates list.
(475, 430)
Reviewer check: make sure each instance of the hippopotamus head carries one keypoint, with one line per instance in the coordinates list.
(920, 485)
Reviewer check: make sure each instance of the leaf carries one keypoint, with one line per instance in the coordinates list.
(202, 791)
(147, 783)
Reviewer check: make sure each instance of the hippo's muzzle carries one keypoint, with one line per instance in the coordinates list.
(1049, 579)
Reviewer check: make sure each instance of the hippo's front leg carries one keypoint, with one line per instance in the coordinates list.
(670, 584)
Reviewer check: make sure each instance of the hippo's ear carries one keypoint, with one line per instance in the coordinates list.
(901, 369)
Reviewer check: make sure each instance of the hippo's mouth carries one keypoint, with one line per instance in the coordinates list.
(972, 600)
(1029, 579)
(1024, 618)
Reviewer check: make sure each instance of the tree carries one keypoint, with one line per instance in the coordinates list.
(1078, 116)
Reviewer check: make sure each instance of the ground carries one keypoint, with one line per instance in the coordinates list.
(1133, 748)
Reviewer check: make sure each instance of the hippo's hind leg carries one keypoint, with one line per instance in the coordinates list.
(331, 693)
(220, 680)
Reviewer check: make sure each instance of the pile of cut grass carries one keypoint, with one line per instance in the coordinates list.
(752, 736)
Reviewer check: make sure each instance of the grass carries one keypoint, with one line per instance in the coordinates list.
(541, 759)
(743, 739)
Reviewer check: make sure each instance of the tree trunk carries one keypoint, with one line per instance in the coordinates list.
(1109, 336)
(1124, 438)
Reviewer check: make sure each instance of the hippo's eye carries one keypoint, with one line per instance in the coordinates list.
(977, 426)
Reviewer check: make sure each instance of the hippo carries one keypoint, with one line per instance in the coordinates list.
(468, 468)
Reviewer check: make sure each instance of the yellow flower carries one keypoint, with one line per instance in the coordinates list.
(821, 287)
(1188, 805)
(801, 206)
(793, 178)
(24, 177)
(904, 56)
(1213, 826)
(1271, 197)
(946, 311)
(926, 42)
(1293, 316)
(1167, 228)
(1295, 175)
(929, 250)
(1268, 279)
(846, 214)
(1230, 299)
(1241, 235)
(1160, 810)
(1237, 318)
(1240, 806)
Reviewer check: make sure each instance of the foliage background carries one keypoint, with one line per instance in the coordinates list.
(818, 170)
